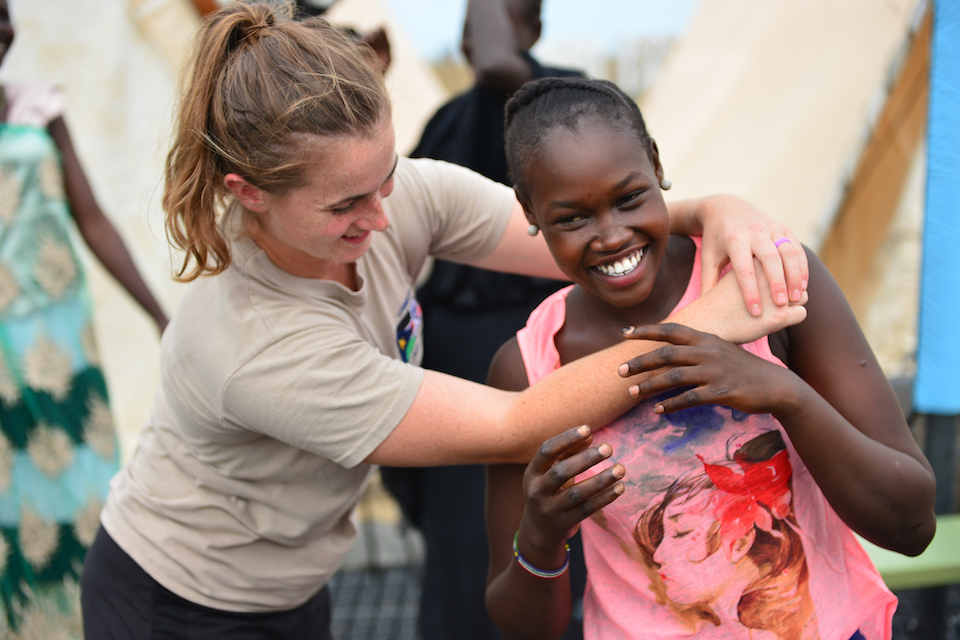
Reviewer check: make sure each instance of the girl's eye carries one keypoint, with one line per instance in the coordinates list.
(630, 198)
(572, 219)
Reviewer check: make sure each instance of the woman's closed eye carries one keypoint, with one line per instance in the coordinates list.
(345, 208)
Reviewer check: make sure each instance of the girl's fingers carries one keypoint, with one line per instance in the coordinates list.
(562, 472)
(553, 449)
(672, 334)
(580, 501)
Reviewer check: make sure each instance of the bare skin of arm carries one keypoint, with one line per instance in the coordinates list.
(97, 230)
(834, 402)
(453, 421)
(492, 42)
(523, 605)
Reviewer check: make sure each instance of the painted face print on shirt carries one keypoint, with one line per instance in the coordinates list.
(709, 518)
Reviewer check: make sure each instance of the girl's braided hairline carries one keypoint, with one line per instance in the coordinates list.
(565, 102)
(530, 92)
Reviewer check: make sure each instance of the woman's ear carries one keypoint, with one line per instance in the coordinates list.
(250, 197)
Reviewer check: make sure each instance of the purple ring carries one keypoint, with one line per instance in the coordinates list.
(780, 242)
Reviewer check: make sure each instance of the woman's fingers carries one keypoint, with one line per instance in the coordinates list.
(795, 267)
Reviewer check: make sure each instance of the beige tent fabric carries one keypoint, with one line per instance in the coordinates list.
(779, 102)
(773, 101)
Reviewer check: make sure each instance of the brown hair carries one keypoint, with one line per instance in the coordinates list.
(260, 81)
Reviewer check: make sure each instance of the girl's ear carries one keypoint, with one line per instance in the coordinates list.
(249, 196)
(527, 209)
(655, 160)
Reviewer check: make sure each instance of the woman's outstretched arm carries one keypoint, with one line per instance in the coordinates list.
(453, 421)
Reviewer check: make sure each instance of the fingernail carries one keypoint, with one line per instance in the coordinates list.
(627, 330)
(781, 299)
(605, 450)
(803, 285)
(658, 408)
(618, 471)
(623, 370)
(618, 488)
(756, 310)
(795, 295)
(634, 391)
(583, 430)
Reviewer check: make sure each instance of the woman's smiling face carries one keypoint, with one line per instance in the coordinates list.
(331, 219)
(595, 194)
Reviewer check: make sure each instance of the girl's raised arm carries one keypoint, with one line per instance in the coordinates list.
(834, 401)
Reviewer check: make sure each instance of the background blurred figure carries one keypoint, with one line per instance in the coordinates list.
(58, 449)
(377, 38)
(468, 313)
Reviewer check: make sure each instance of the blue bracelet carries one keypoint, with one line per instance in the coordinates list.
(540, 573)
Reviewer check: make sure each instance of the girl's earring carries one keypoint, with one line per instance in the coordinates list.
(665, 184)
(533, 230)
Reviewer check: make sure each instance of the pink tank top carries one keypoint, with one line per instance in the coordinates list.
(721, 532)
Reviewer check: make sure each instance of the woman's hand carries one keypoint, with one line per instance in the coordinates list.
(555, 506)
(734, 232)
(721, 311)
(717, 372)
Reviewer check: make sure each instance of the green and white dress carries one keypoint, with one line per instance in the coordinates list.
(58, 448)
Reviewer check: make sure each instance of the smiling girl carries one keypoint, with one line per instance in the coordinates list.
(695, 529)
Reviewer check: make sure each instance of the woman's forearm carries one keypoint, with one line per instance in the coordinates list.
(591, 391)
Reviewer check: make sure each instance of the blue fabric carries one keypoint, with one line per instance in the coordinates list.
(937, 387)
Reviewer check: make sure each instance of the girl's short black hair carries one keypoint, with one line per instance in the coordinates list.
(548, 103)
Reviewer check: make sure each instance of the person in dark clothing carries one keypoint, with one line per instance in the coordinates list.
(468, 313)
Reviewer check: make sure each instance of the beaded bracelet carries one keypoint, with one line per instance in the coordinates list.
(540, 573)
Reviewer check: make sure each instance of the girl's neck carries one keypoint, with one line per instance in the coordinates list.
(592, 324)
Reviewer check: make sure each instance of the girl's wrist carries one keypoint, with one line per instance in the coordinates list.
(545, 552)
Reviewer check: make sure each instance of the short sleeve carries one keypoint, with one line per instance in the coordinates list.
(462, 213)
(34, 104)
(325, 391)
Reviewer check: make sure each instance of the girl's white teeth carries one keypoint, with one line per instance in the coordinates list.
(621, 267)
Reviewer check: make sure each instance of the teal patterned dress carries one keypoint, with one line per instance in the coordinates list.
(58, 447)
